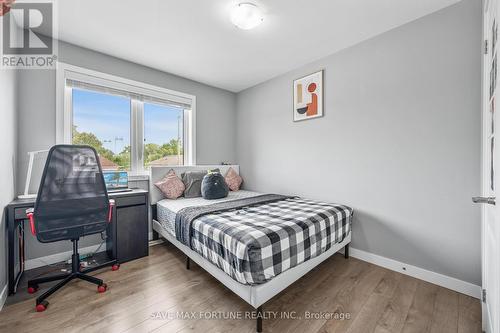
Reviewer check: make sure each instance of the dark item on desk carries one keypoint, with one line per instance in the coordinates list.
(72, 202)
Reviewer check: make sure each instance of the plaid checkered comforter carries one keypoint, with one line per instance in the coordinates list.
(254, 244)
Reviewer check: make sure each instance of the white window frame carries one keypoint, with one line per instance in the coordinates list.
(64, 110)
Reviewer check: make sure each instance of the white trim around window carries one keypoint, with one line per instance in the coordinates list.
(64, 114)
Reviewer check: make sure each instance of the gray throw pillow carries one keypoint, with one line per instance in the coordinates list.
(192, 182)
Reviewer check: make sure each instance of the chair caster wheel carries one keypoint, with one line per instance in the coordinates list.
(115, 267)
(102, 288)
(32, 289)
(42, 306)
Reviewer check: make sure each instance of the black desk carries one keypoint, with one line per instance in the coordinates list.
(127, 235)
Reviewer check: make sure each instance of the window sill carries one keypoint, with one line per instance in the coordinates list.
(138, 177)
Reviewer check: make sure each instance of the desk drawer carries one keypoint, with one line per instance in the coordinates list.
(131, 200)
(20, 213)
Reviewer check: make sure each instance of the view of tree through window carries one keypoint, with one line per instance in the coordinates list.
(163, 135)
(103, 122)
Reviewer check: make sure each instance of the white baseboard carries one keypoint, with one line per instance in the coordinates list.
(3, 296)
(63, 256)
(419, 273)
(156, 241)
(58, 257)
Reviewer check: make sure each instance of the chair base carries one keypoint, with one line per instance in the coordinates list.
(65, 279)
(76, 273)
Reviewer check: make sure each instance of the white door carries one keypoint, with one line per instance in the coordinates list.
(491, 174)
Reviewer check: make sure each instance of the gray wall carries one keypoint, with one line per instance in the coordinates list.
(215, 116)
(8, 135)
(399, 142)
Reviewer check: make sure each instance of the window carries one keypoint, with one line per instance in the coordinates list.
(103, 122)
(133, 126)
(163, 135)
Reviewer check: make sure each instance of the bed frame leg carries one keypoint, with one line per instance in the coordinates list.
(259, 319)
(346, 251)
(188, 262)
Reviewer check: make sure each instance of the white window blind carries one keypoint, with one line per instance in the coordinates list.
(128, 91)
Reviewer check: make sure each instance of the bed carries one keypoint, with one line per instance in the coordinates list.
(255, 244)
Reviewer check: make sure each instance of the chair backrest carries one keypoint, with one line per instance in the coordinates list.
(72, 199)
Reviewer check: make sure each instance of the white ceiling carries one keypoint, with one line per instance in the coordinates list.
(195, 38)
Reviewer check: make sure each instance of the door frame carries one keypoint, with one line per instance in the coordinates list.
(487, 325)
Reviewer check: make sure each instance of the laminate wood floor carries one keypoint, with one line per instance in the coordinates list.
(338, 296)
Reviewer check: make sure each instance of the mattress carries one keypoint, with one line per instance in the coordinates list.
(167, 209)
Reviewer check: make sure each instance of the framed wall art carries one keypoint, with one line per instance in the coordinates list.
(308, 97)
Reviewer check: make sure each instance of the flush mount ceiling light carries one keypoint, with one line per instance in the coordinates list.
(246, 16)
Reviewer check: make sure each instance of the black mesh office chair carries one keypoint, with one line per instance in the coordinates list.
(72, 202)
